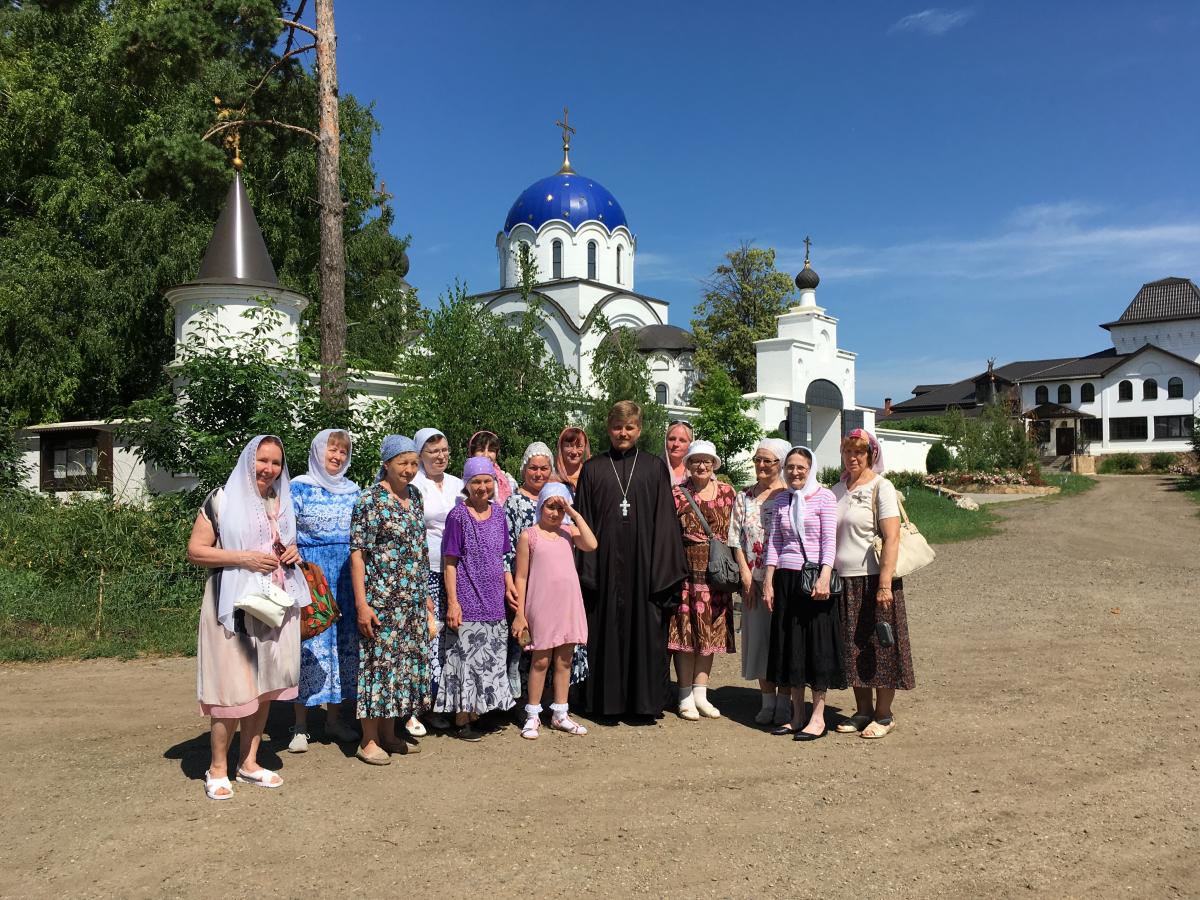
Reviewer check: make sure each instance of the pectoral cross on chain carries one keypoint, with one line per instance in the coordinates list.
(624, 508)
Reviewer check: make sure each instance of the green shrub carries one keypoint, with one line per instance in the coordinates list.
(829, 475)
(1162, 461)
(905, 481)
(938, 459)
(1119, 463)
(96, 577)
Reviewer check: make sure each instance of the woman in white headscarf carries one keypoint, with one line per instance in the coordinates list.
(748, 538)
(806, 625)
(245, 535)
(324, 502)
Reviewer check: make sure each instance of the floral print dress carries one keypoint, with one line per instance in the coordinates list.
(703, 623)
(748, 530)
(393, 672)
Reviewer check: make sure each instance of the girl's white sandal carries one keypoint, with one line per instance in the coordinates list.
(262, 778)
(212, 785)
(532, 725)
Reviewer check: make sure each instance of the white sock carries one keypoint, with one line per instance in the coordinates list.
(700, 693)
(685, 694)
(532, 710)
(768, 701)
(560, 710)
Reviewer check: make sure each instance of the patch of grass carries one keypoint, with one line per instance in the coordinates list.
(1190, 485)
(1070, 484)
(944, 523)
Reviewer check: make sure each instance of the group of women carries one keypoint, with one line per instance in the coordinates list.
(459, 595)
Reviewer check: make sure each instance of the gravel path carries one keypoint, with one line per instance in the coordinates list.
(1049, 750)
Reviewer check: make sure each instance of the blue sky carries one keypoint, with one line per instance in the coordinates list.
(985, 180)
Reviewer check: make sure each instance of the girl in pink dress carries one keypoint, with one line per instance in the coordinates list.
(550, 613)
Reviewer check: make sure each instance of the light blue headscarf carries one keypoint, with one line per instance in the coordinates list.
(393, 445)
(552, 489)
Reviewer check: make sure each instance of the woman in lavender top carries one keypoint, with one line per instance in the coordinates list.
(806, 628)
(475, 646)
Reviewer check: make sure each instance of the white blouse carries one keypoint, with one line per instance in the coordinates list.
(438, 503)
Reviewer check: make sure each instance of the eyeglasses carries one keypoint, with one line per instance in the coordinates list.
(700, 463)
(765, 461)
(797, 470)
(445, 451)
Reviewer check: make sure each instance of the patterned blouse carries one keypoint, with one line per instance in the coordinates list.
(480, 548)
(392, 541)
(717, 513)
(748, 530)
(322, 517)
(518, 512)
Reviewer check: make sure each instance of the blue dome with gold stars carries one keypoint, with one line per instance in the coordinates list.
(569, 197)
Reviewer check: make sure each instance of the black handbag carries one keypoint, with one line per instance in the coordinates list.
(723, 572)
(811, 572)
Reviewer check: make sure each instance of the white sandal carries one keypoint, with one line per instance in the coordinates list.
(261, 778)
(212, 785)
(531, 729)
(414, 727)
(565, 723)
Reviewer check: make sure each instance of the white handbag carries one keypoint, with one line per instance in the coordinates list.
(914, 552)
(269, 606)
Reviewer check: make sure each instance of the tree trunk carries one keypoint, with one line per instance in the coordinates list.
(331, 268)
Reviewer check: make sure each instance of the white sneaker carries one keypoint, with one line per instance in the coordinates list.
(299, 742)
(687, 710)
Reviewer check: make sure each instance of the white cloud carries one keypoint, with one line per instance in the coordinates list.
(934, 22)
(1041, 240)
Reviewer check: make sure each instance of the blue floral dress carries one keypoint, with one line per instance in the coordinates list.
(393, 673)
(329, 661)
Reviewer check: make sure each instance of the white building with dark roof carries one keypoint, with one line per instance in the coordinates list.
(1139, 396)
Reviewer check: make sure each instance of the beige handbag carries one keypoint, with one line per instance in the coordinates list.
(269, 606)
(914, 553)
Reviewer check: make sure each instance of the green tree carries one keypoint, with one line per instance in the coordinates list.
(470, 369)
(741, 300)
(110, 195)
(621, 372)
(723, 420)
(227, 389)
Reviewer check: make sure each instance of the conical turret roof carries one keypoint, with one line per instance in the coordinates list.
(237, 253)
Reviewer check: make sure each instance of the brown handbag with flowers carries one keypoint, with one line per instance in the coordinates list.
(323, 610)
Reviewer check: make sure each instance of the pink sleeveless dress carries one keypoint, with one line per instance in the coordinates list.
(553, 601)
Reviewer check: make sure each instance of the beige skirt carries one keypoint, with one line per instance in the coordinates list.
(237, 673)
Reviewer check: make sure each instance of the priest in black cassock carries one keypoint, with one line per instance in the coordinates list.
(632, 582)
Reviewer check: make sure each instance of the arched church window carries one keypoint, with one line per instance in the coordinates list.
(660, 394)
(1064, 394)
(1125, 390)
(592, 260)
(1149, 389)
(1087, 393)
(620, 253)
(1041, 395)
(1174, 388)
(556, 259)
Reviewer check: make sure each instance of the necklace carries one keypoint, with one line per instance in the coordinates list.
(624, 504)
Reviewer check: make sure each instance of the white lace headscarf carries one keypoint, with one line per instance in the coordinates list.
(796, 500)
(318, 475)
(245, 524)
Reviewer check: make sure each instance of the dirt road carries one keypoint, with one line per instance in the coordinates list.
(1050, 749)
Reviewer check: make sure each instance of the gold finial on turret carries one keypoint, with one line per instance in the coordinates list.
(567, 131)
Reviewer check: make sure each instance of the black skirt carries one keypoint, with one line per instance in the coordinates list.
(806, 638)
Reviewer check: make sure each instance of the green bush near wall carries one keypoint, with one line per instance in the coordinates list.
(1119, 463)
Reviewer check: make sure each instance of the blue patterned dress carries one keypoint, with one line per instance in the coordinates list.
(393, 673)
(329, 661)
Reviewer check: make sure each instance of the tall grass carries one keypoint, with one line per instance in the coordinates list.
(95, 578)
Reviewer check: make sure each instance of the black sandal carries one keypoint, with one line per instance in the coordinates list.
(467, 733)
(784, 730)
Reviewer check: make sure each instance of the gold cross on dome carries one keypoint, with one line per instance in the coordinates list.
(567, 131)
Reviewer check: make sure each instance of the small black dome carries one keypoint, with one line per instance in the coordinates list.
(665, 337)
(808, 279)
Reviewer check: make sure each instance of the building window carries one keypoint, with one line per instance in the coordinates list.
(1125, 391)
(1132, 428)
(76, 460)
(1166, 427)
(1092, 429)
(660, 394)
(1041, 395)
(1064, 394)
(1149, 389)
(1087, 393)
(1174, 388)
(592, 260)
(620, 253)
(556, 259)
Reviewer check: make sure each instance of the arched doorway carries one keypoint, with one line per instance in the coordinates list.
(824, 401)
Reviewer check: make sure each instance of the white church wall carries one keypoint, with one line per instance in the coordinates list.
(904, 451)
(1181, 337)
(235, 311)
(574, 253)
